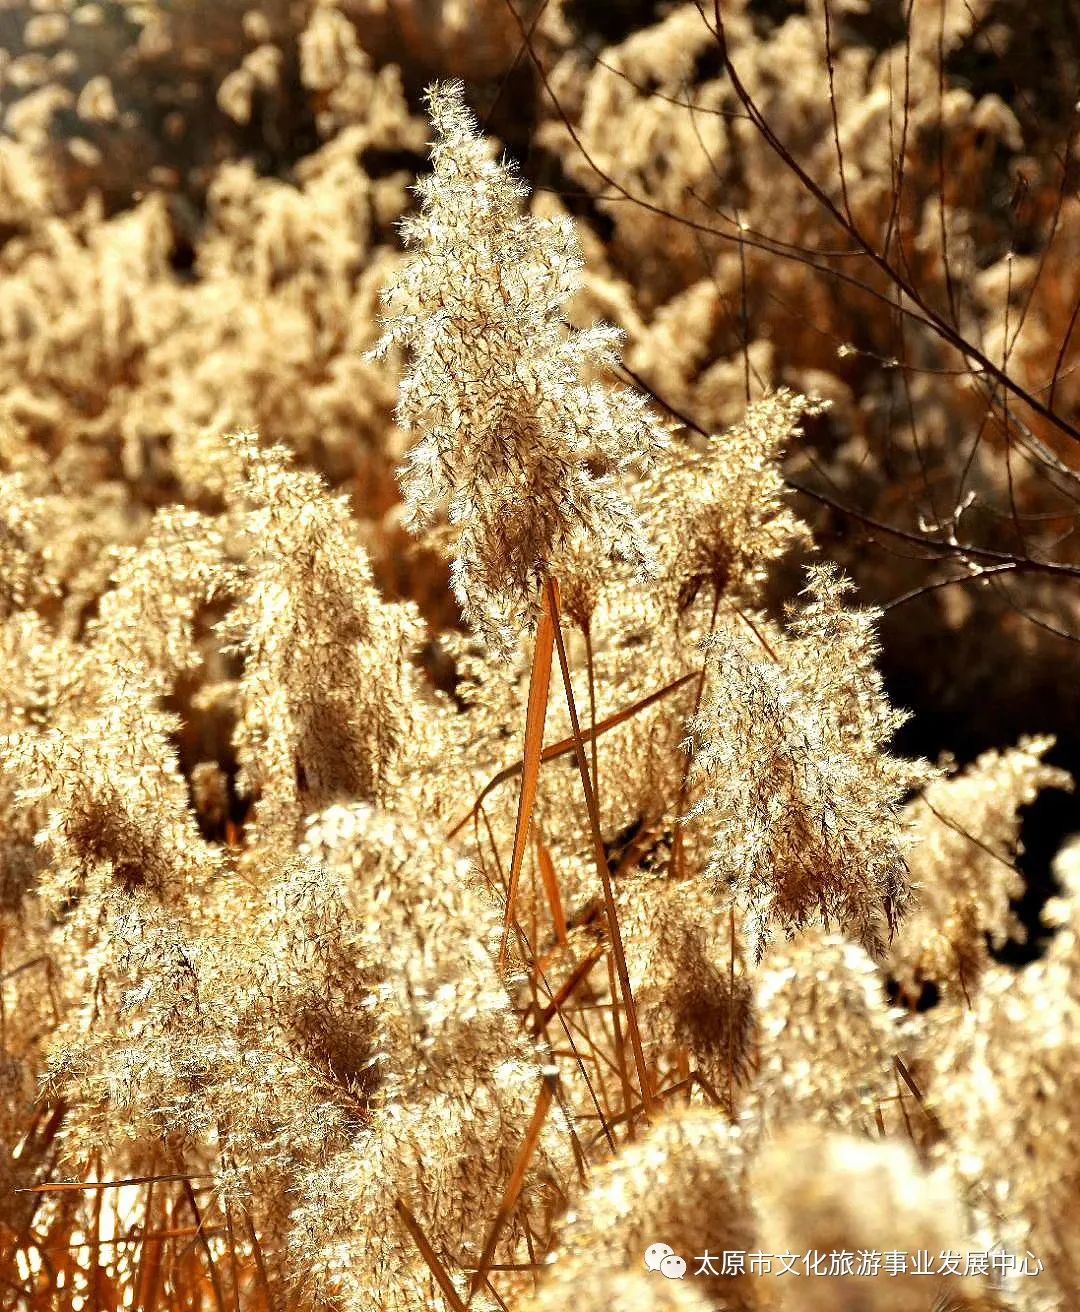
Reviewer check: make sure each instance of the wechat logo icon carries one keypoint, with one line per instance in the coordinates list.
(662, 1258)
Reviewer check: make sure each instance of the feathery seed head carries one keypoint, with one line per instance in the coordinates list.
(516, 439)
(790, 749)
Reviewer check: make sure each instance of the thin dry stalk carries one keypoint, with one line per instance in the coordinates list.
(149, 1252)
(599, 853)
(593, 740)
(539, 687)
(204, 1243)
(619, 1044)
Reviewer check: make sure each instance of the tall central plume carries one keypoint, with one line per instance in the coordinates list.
(517, 438)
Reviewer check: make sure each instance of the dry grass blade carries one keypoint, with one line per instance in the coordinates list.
(514, 1184)
(430, 1257)
(580, 972)
(539, 687)
(551, 888)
